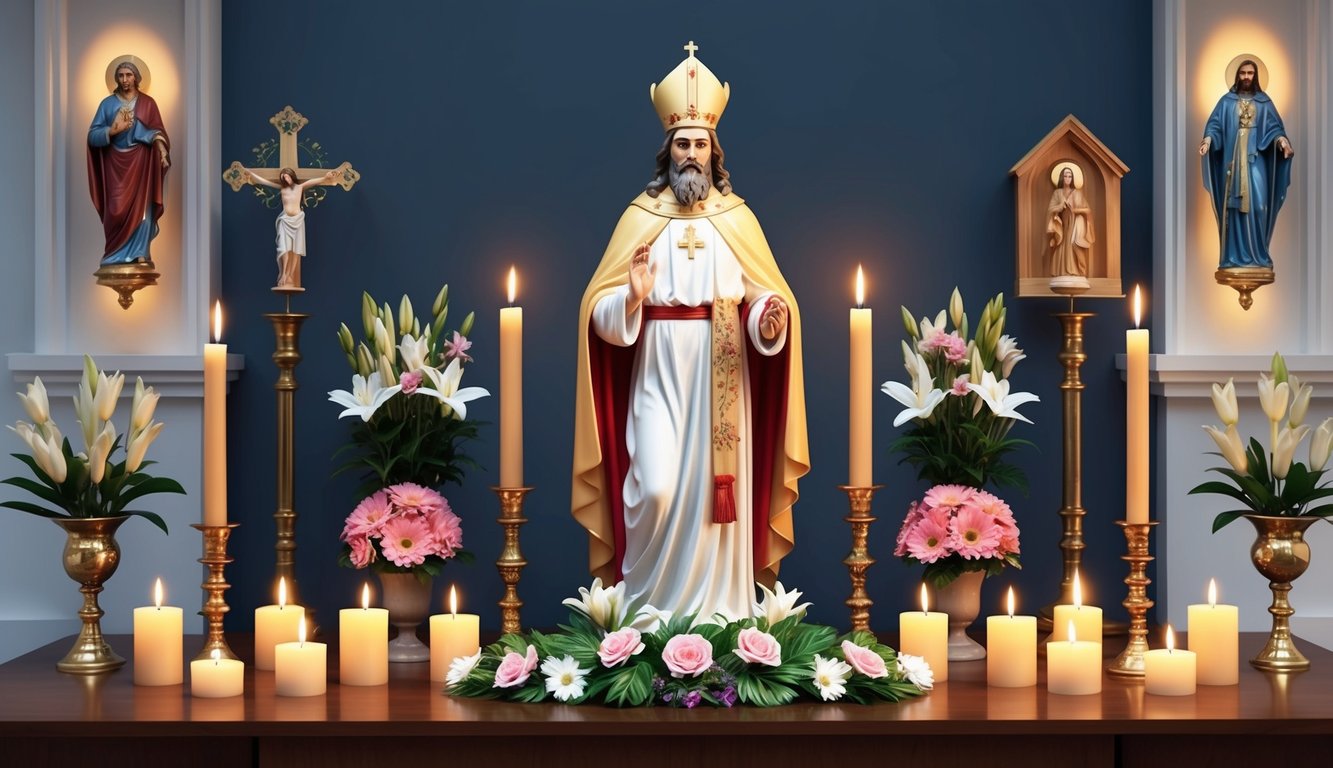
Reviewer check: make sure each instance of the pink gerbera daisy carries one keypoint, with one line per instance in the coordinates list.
(447, 531)
(368, 517)
(407, 541)
(974, 534)
(928, 541)
(909, 522)
(949, 496)
(410, 497)
(991, 504)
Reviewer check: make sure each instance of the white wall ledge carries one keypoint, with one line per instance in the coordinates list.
(1194, 375)
(171, 375)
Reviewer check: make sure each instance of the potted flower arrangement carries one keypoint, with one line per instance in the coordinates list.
(407, 440)
(89, 493)
(604, 655)
(960, 410)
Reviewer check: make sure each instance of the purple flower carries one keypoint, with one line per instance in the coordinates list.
(457, 347)
(692, 699)
(727, 696)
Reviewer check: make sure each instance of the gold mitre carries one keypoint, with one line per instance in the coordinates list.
(690, 96)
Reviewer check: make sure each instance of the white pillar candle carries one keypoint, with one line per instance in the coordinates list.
(1136, 417)
(511, 391)
(1011, 649)
(215, 425)
(1087, 619)
(275, 624)
(1169, 671)
(1073, 666)
(861, 386)
(363, 644)
(1214, 632)
(926, 634)
(217, 678)
(158, 642)
(452, 634)
(300, 668)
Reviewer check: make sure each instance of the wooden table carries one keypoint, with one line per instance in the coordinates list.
(48, 718)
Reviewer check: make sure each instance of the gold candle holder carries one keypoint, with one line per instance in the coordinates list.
(1130, 661)
(215, 608)
(511, 562)
(859, 560)
(287, 355)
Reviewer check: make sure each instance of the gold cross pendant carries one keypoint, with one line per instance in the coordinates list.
(690, 242)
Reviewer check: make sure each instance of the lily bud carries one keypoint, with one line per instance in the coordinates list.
(1231, 446)
(134, 452)
(386, 369)
(86, 412)
(416, 326)
(1224, 400)
(1300, 400)
(1287, 441)
(1273, 397)
(962, 327)
(89, 374)
(405, 315)
(365, 363)
(99, 451)
(466, 328)
(345, 339)
(368, 315)
(142, 406)
(35, 402)
(1321, 445)
(107, 394)
(909, 360)
(49, 456)
(956, 308)
(1279, 367)
(909, 323)
(383, 341)
(441, 300)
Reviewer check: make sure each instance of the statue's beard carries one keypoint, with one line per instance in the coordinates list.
(1246, 88)
(690, 181)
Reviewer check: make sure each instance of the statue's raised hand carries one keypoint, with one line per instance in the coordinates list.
(642, 276)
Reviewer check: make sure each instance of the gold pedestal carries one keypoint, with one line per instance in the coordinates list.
(287, 355)
(859, 560)
(90, 557)
(125, 279)
(1130, 661)
(1246, 280)
(511, 562)
(215, 608)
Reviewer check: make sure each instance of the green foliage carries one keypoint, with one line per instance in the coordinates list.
(1262, 493)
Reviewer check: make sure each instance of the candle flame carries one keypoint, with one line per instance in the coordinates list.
(1212, 593)
(1170, 639)
(216, 655)
(365, 596)
(453, 601)
(282, 592)
(1011, 602)
(1138, 305)
(217, 322)
(860, 286)
(925, 603)
(1072, 634)
(300, 633)
(157, 592)
(513, 284)
(1078, 592)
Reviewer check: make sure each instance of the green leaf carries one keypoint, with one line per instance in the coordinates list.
(631, 687)
(24, 506)
(151, 517)
(1226, 518)
(43, 492)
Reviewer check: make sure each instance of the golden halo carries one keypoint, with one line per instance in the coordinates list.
(145, 77)
(1060, 168)
(1235, 65)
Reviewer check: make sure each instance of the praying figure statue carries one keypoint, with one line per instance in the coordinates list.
(690, 430)
(1069, 225)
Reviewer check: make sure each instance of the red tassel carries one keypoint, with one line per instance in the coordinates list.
(724, 500)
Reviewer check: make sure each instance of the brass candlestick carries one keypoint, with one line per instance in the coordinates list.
(511, 562)
(287, 355)
(859, 560)
(215, 608)
(1130, 661)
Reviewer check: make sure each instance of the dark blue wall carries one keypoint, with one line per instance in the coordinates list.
(516, 132)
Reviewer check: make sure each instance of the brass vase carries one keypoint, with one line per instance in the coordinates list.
(1281, 554)
(91, 555)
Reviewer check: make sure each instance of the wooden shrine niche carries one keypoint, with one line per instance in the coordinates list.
(1067, 239)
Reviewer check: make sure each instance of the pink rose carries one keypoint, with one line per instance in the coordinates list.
(688, 655)
(409, 382)
(618, 646)
(363, 552)
(864, 660)
(756, 647)
(515, 669)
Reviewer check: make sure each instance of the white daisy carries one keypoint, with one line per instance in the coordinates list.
(830, 674)
(564, 678)
(916, 670)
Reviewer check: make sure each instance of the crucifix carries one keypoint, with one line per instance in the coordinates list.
(288, 123)
(690, 242)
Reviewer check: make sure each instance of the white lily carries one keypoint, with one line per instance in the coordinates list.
(138, 445)
(928, 328)
(1273, 396)
(996, 395)
(604, 607)
(830, 676)
(365, 398)
(413, 351)
(909, 361)
(919, 403)
(1008, 354)
(1224, 400)
(650, 618)
(99, 451)
(446, 387)
(1285, 448)
(1231, 446)
(35, 402)
(777, 604)
(1321, 445)
(1300, 402)
(49, 456)
(142, 406)
(107, 394)
(85, 412)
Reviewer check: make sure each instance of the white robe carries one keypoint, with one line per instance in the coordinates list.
(676, 557)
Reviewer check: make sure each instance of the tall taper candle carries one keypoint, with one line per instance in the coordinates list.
(861, 385)
(1136, 417)
(215, 425)
(511, 391)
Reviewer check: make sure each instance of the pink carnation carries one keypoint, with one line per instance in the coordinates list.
(446, 531)
(409, 381)
(407, 541)
(618, 646)
(410, 497)
(864, 660)
(368, 517)
(954, 348)
(949, 496)
(363, 552)
(758, 647)
(687, 655)
(959, 388)
(974, 534)
(927, 541)
(515, 669)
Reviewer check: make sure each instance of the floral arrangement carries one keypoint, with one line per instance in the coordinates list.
(604, 655)
(961, 410)
(409, 435)
(1271, 482)
(90, 483)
